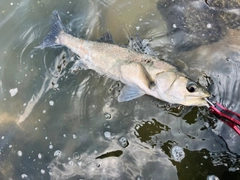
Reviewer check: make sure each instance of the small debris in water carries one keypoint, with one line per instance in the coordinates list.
(110, 154)
(13, 91)
(137, 28)
(123, 142)
(174, 26)
(177, 153)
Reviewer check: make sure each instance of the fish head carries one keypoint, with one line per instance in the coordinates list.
(176, 88)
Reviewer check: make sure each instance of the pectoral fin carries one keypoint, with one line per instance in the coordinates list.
(148, 77)
(128, 93)
(137, 70)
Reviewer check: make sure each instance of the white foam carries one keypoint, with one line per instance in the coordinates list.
(177, 153)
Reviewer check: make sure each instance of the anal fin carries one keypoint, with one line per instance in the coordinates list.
(128, 93)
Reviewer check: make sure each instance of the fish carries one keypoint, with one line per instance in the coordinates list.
(141, 73)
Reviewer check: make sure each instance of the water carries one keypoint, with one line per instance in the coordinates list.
(55, 122)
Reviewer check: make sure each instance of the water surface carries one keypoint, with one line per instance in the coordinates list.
(59, 124)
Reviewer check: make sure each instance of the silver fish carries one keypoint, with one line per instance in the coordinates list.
(141, 73)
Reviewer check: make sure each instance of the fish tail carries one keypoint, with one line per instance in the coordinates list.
(52, 37)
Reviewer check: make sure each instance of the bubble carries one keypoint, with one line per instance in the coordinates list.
(57, 153)
(44, 111)
(3, 137)
(107, 135)
(174, 26)
(209, 25)
(50, 146)
(42, 171)
(70, 163)
(74, 136)
(51, 103)
(137, 28)
(177, 153)
(24, 176)
(107, 116)
(79, 163)
(39, 156)
(205, 157)
(19, 153)
(76, 155)
(212, 177)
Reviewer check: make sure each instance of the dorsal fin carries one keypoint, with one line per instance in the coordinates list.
(136, 44)
(106, 38)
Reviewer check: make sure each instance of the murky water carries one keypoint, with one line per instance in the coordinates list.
(59, 124)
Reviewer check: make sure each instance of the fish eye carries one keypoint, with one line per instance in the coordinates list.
(192, 87)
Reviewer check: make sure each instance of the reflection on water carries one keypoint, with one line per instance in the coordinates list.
(61, 123)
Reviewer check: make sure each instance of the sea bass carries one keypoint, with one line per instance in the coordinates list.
(141, 73)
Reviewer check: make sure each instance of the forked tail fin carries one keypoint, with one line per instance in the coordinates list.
(57, 27)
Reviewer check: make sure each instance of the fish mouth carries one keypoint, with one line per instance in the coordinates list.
(197, 100)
